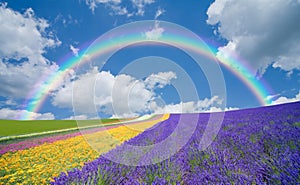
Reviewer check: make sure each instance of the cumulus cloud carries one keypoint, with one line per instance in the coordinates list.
(18, 80)
(7, 113)
(78, 117)
(121, 95)
(23, 41)
(117, 8)
(24, 35)
(271, 97)
(160, 79)
(261, 32)
(83, 85)
(206, 105)
(283, 99)
(155, 33)
(124, 95)
(218, 109)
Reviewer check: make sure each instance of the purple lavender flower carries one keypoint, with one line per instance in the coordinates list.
(254, 146)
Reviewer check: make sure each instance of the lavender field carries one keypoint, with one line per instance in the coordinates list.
(253, 146)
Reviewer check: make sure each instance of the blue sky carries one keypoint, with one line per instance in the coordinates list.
(35, 37)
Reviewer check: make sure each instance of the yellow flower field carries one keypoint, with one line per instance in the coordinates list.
(40, 164)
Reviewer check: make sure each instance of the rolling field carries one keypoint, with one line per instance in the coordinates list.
(37, 161)
(15, 127)
(253, 146)
(149, 92)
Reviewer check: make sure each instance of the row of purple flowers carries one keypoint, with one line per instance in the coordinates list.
(259, 146)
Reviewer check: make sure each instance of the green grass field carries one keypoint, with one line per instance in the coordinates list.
(15, 127)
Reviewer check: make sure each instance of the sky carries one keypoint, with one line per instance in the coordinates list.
(250, 57)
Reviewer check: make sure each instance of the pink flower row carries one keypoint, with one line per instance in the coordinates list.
(28, 143)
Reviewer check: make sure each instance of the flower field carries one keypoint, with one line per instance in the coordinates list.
(37, 161)
(254, 146)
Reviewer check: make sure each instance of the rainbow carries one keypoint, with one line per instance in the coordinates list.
(125, 36)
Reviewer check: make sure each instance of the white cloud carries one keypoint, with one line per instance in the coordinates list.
(283, 99)
(137, 6)
(218, 109)
(125, 96)
(155, 33)
(24, 36)
(74, 50)
(188, 107)
(118, 10)
(7, 113)
(159, 12)
(262, 32)
(140, 5)
(130, 95)
(93, 3)
(18, 80)
(270, 97)
(160, 79)
(10, 102)
(84, 84)
(23, 39)
(78, 117)
(66, 20)
(121, 95)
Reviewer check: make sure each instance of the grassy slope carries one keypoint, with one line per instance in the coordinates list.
(15, 127)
